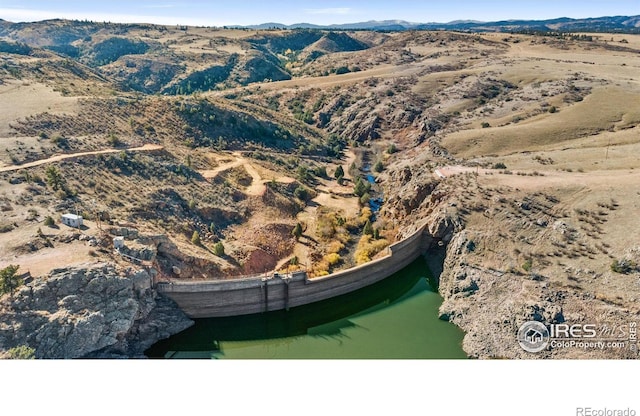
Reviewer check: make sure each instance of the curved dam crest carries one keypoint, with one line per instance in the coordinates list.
(259, 294)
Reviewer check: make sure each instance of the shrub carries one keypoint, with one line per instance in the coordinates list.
(365, 215)
(332, 259)
(392, 149)
(21, 352)
(526, 266)
(59, 141)
(302, 174)
(339, 173)
(195, 238)
(113, 140)
(623, 266)
(325, 226)
(486, 125)
(335, 247)
(499, 165)
(378, 167)
(297, 231)
(5, 228)
(552, 109)
(321, 172)
(301, 193)
(367, 248)
(218, 249)
(62, 194)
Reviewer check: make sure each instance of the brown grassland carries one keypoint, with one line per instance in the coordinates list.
(537, 139)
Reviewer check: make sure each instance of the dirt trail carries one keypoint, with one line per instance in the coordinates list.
(213, 173)
(257, 187)
(58, 158)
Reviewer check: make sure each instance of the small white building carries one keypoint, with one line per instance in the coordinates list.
(118, 243)
(72, 220)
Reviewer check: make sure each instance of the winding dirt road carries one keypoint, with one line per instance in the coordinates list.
(58, 158)
(257, 187)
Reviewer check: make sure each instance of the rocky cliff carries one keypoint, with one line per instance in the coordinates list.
(504, 266)
(491, 304)
(89, 312)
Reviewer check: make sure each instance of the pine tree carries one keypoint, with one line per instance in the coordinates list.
(361, 187)
(218, 249)
(9, 279)
(54, 178)
(368, 229)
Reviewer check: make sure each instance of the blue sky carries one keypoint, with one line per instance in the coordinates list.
(218, 13)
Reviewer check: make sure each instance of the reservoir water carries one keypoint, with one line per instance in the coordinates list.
(396, 318)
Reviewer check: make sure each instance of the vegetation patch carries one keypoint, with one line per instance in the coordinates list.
(110, 50)
(368, 247)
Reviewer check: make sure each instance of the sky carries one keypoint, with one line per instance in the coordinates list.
(220, 13)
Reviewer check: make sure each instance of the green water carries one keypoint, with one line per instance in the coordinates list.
(396, 318)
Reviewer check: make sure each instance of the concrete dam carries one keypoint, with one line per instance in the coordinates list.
(216, 298)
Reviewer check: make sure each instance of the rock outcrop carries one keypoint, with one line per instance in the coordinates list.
(89, 312)
(488, 292)
(490, 306)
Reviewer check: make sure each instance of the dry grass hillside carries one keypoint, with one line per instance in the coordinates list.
(218, 151)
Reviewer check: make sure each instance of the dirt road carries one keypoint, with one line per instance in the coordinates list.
(58, 158)
(257, 187)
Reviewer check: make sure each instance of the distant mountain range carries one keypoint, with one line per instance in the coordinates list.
(620, 24)
(623, 24)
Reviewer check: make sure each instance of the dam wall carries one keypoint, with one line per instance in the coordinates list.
(219, 298)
